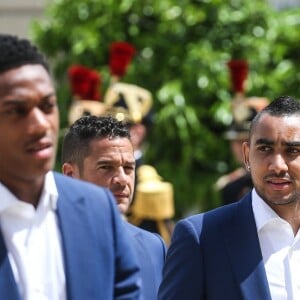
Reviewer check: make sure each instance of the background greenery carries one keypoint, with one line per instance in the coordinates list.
(183, 47)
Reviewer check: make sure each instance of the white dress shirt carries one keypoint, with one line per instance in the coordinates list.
(280, 251)
(33, 243)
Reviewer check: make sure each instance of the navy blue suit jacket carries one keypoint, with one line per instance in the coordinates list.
(151, 251)
(99, 264)
(216, 255)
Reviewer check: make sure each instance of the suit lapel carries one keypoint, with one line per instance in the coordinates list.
(147, 266)
(244, 250)
(145, 257)
(78, 247)
(8, 287)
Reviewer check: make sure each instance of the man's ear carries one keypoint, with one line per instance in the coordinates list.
(68, 169)
(246, 149)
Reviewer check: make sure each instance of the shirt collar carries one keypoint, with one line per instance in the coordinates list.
(50, 188)
(263, 213)
(137, 154)
(8, 199)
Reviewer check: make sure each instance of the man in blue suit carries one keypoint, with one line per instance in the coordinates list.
(57, 240)
(99, 150)
(249, 249)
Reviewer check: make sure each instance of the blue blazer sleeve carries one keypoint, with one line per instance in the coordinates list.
(150, 251)
(182, 270)
(98, 252)
(216, 255)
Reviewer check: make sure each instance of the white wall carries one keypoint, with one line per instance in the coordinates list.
(282, 4)
(16, 15)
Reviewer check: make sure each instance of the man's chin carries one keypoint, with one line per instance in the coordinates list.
(122, 208)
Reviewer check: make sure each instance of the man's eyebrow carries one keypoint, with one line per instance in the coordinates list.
(104, 161)
(108, 161)
(16, 101)
(292, 144)
(50, 95)
(19, 100)
(264, 141)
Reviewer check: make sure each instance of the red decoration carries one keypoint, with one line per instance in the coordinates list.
(121, 54)
(85, 82)
(239, 72)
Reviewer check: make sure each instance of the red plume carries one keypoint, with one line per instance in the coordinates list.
(239, 72)
(121, 54)
(85, 82)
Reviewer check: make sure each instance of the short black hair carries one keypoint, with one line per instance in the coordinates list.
(75, 146)
(280, 107)
(16, 52)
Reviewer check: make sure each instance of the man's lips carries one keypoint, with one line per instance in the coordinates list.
(42, 149)
(121, 195)
(39, 147)
(278, 183)
(278, 180)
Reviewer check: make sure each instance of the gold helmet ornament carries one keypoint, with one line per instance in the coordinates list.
(126, 101)
(80, 108)
(154, 197)
(154, 200)
(243, 108)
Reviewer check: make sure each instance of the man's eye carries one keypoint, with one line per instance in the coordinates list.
(48, 107)
(293, 150)
(20, 111)
(105, 167)
(264, 148)
(129, 168)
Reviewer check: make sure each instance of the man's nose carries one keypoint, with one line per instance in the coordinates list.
(278, 164)
(120, 176)
(38, 120)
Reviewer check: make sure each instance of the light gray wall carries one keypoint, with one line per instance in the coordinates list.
(16, 15)
(282, 4)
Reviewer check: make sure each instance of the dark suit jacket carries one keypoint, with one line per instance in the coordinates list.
(235, 190)
(216, 256)
(99, 264)
(151, 251)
